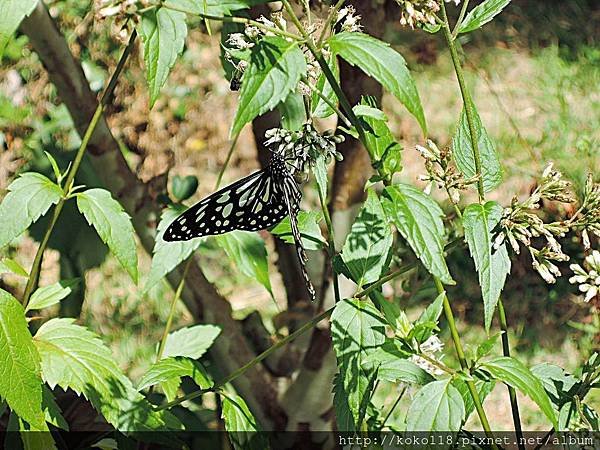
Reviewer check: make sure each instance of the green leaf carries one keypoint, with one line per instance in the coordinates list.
(168, 255)
(29, 197)
(486, 346)
(418, 218)
(393, 364)
(427, 321)
(320, 108)
(20, 382)
(163, 31)
(557, 383)
(52, 412)
(356, 329)
(50, 295)
(482, 14)
(248, 252)
(275, 68)
(112, 224)
(74, 357)
(365, 110)
(174, 368)
(191, 342)
(12, 12)
(438, 406)
(310, 232)
(241, 425)
(368, 243)
(212, 7)
(378, 60)
(8, 265)
(384, 151)
(463, 152)
(516, 374)
(292, 111)
(493, 265)
(319, 170)
(483, 388)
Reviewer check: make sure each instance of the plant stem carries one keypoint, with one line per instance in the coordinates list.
(307, 326)
(176, 297)
(329, 103)
(232, 19)
(387, 416)
(463, 361)
(227, 159)
(330, 245)
(461, 16)
(512, 394)
(332, 13)
(37, 262)
(467, 102)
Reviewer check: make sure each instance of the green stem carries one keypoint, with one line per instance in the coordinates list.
(227, 159)
(387, 416)
(512, 394)
(329, 103)
(327, 24)
(467, 102)
(304, 328)
(232, 19)
(176, 297)
(330, 245)
(461, 16)
(37, 262)
(463, 362)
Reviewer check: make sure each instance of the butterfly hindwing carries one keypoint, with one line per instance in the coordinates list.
(248, 204)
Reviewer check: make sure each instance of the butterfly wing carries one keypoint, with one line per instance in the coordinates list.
(292, 196)
(250, 204)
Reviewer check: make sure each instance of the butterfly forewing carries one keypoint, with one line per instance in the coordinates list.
(248, 204)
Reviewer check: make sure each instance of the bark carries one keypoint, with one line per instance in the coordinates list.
(231, 350)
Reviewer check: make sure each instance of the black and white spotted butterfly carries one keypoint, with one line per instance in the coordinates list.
(256, 202)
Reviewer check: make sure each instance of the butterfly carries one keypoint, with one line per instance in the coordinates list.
(256, 202)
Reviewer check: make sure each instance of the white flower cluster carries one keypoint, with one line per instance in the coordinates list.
(348, 20)
(429, 348)
(420, 12)
(588, 281)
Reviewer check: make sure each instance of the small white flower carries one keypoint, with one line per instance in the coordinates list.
(589, 282)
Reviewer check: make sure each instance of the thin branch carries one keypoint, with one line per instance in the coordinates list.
(37, 262)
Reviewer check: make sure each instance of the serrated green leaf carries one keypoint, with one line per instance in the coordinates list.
(486, 346)
(50, 295)
(493, 265)
(483, 388)
(174, 368)
(516, 374)
(249, 253)
(74, 357)
(557, 383)
(429, 319)
(320, 108)
(365, 110)
(378, 60)
(112, 224)
(293, 113)
(482, 14)
(163, 31)
(191, 342)
(212, 7)
(385, 153)
(275, 68)
(393, 364)
(29, 197)
(357, 328)
(418, 218)
(438, 406)
(20, 381)
(241, 425)
(310, 232)
(368, 243)
(462, 151)
(52, 412)
(12, 12)
(168, 255)
(8, 265)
